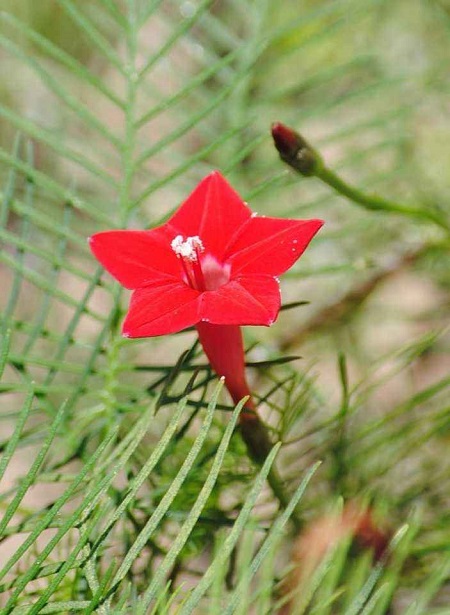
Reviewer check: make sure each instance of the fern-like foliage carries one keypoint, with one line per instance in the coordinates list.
(125, 487)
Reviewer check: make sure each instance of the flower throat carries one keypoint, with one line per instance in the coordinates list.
(202, 271)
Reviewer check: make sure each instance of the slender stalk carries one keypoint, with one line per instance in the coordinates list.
(295, 151)
(374, 202)
(224, 348)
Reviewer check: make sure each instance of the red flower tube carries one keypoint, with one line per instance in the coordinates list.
(213, 265)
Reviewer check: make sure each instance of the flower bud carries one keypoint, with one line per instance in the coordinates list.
(295, 151)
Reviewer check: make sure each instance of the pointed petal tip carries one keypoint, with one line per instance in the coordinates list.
(315, 224)
(215, 175)
(95, 236)
(94, 239)
(319, 223)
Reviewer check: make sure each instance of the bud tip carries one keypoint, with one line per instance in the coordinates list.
(286, 140)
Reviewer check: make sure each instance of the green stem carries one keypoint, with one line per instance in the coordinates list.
(258, 443)
(295, 151)
(224, 348)
(374, 202)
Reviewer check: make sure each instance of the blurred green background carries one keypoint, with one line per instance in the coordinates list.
(110, 113)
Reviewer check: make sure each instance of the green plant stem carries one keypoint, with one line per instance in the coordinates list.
(223, 345)
(376, 203)
(258, 443)
(296, 152)
(277, 486)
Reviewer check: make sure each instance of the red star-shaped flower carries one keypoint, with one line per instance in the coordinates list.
(214, 261)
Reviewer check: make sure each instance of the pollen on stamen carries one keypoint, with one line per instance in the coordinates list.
(188, 248)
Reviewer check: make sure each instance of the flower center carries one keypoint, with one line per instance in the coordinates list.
(201, 271)
(188, 249)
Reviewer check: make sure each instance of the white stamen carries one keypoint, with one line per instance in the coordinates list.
(187, 249)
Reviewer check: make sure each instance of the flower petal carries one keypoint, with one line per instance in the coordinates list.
(269, 246)
(161, 309)
(213, 211)
(246, 300)
(136, 258)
